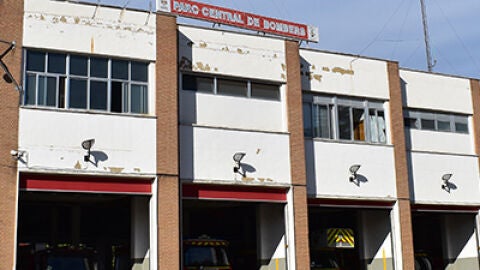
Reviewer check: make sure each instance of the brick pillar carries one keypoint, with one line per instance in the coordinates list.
(11, 23)
(168, 203)
(297, 154)
(401, 165)
(475, 89)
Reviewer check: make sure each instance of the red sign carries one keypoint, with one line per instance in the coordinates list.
(239, 19)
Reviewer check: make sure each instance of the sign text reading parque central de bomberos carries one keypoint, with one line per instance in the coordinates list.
(239, 19)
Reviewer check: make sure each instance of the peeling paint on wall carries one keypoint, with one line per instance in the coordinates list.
(202, 67)
(342, 71)
(240, 51)
(326, 69)
(92, 45)
(318, 77)
(77, 165)
(115, 169)
(284, 67)
(202, 45)
(93, 22)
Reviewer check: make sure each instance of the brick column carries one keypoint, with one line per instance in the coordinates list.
(168, 202)
(401, 165)
(297, 154)
(475, 89)
(11, 23)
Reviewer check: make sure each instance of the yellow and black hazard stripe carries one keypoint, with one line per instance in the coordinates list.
(340, 237)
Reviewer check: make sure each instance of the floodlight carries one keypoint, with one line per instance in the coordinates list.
(446, 181)
(7, 76)
(87, 145)
(237, 157)
(353, 170)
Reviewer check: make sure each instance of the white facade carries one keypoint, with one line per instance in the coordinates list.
(433, 154)
(435, 92)
(214, 127)
(231, 54)
(347, 75)
(328, 173)
(98, 30)
(52, 141)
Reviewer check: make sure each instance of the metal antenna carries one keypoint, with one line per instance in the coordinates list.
(430, 63)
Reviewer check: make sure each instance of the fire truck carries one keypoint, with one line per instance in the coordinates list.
(205, 253)
(58, 257)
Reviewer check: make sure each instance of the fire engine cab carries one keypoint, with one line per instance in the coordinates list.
(205, 253)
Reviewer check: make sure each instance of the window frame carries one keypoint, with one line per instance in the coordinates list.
(419, 116)
(68, 76)
(215, 85)
(333, 104)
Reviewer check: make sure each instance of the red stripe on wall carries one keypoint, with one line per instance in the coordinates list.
(349, 203)
(234, 193)
(85, 184)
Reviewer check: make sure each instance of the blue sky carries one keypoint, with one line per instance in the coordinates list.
(382, 29)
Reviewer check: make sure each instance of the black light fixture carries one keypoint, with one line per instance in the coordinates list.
(446, 181)
(7, 76)
(87, 145)
(237, 157)
(18, 154)
(353, 171)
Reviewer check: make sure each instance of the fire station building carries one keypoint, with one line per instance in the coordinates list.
(131, 133)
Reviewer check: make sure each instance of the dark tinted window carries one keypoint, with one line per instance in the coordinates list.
(56, 63)
(231, 87)
(120, 69)
(266, 91)
(35, 61)
(98, 95)
(78, 65)
(202, 84)
(78, 94)
(98, 67)
(139, 71)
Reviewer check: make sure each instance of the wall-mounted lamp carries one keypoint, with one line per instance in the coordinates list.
(446, 181)
(237, 157)
(7, 76)
(87, 145)
(353, 171)
(18, 154)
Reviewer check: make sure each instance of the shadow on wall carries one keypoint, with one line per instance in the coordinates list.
(187, 110)
(359, 179)
(377, 225)
(308, 142)
(99, 156)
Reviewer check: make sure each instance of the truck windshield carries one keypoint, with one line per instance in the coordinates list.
(205, 256)
(67, 263)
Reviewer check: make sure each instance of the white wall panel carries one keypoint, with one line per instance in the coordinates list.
(436, 92)
(232, 54)
(233, 112)
(427, 171)
(447, 142)
(64, 26)
(328, 173)
(344, 75)
(52, 139)
(207, 154)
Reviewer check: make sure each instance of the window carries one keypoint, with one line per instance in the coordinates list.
(230, 86)
(436, 121)
(344, 119)
(81, 82)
